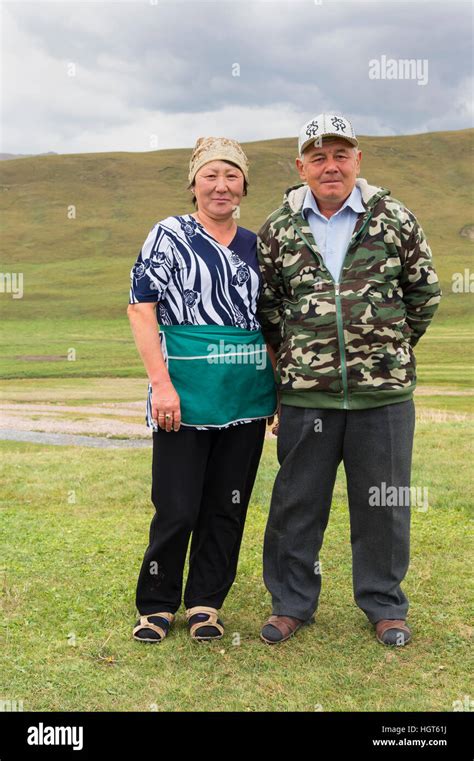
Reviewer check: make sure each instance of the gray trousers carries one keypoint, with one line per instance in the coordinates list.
(376, 448)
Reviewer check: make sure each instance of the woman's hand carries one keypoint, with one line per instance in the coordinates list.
(275, 420)
(164, 399)
(276, 427)
(165, 406)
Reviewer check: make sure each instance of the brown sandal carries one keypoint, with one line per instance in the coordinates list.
(208, 618)
(285, 625)
(392, 632)
(145, 623)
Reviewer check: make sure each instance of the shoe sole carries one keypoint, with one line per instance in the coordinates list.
(206, 639)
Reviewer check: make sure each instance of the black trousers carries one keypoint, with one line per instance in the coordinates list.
(201, 485)
(375, 446)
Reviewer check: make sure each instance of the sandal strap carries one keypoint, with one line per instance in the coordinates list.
(211, 621)
(200, 609)
(146, 624)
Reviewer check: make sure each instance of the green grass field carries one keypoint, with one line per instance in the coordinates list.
(69, 582)
(69, 568)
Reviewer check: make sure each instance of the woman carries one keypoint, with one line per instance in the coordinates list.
(211, 391)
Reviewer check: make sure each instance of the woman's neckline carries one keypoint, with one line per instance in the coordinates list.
(225, 245)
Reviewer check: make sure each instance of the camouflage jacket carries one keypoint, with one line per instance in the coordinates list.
(346, 345)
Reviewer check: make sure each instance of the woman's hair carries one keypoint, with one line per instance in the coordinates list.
(191, 184)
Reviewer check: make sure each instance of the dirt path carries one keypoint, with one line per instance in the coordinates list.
(67, 439)
(103, 419)
(437, 391)
(101, 424)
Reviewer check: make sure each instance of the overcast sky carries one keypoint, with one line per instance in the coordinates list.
(143, 74)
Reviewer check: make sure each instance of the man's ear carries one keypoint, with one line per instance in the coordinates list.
(300, 168)
(359, 158)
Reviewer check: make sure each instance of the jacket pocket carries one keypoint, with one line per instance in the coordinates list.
(378, 356)
(309, 360)
(374, 304)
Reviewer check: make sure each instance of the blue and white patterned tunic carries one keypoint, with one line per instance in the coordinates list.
(195, 280)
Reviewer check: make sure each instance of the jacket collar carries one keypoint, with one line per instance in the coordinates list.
(295, 195)
(294, 198)
(354, 201)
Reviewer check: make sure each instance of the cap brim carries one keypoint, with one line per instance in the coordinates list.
(351, 140)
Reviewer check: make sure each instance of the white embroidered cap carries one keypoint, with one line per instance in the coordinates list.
(325, 125)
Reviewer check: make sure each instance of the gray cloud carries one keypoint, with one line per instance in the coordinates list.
(165, 70)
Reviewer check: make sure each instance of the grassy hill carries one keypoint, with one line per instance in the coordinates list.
(69, 565)
(76, 271)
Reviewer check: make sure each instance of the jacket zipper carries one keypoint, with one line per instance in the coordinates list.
(339, 322)
(342, 346)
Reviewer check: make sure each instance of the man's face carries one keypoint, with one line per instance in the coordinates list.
(330, 170)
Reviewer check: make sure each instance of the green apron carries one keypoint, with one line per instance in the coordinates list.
(222, 374)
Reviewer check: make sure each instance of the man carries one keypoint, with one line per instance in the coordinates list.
(348, 290)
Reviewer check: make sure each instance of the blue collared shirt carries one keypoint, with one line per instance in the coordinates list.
(333, 235)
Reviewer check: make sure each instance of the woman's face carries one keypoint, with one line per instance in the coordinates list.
(218, 187)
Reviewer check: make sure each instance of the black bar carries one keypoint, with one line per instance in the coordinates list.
(153, 735)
